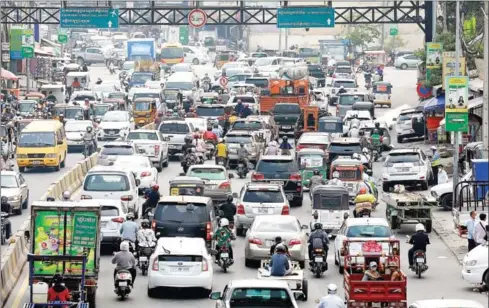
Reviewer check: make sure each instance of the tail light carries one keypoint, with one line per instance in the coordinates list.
(181, 60)
(145, 174)
(122, 276)
(295, 177)
(126, 198)
(240, 210)
(208, 230)
(157, 149)
(342, 251)
(225, 185)
(299, 147)
(381, 138)
(255, 241)
(420, 254)
(205, 266)
(294, 242)
(85, 197)
(334, 76)
(118, 220)
(285, 210)
(155, 265)
(318, 250)
(257, 177)
(153, 225)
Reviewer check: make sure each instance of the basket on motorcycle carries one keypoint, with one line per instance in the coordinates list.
(187, 185)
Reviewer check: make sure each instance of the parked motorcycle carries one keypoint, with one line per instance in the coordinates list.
(123, 282)
(318, 263)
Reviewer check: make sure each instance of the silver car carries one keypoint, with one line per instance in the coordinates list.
(266, 228)
(14, 187)
(216, 178)
(113, 214)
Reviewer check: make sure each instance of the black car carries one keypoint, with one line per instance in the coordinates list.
(285, 116)
(283, 170)
(185, 216)
(343, 147)
(316, 71)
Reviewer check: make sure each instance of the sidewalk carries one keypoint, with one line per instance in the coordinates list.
(443, 227)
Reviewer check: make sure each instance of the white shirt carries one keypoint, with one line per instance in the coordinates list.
(480, 231)
(331, 301)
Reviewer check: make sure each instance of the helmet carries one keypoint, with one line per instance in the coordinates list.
(365, 151)
(209, 128)
(433, 148)
(57, 279)
(354, 125)
(89, 129)
(336, 175)
(342, 87)
(362, 190)
(377, 124)
(285, 138)
(224, 222)
(130, 216)
(145, 224)
(332, 288)
(361, 133)
(188, 139)
(372, 264)
(280, 247)
(229, 197)
(155, 186)
(356, 156)
(221, 140)
(192, 150)
(278, 239)
(196, 130)
(124, 246)
(419, 227)
(318, 226)
(241, 144)
(316, 172)
(67, 195)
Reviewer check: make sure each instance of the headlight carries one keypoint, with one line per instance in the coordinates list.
(51, 155)
(21, 156)
(471, 262)
(434, 194)
(14, 198)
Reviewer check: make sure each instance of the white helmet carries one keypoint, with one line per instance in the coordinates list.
(372, 264)
(365, 151)
(66, 195)
(271, 144)
(336, 175)
(224, 222)
(419, 227)
(332, 288)
(354, 125)
(356, 156)
(342, 87)
(433, 148)
(124, 246)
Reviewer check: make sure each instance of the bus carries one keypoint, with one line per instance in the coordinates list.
(172, 53)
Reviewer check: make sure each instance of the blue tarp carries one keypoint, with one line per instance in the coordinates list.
(435, 103)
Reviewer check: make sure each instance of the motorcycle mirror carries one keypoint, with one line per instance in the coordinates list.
(213, 252)
(181, 174)
(346, 215)
(158, 234)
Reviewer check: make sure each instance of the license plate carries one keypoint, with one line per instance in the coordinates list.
(376, 305)
(289, 196)
(286, 127)
(277, 182)
(104, 224)
(241, 165)
(143, 259)
(122, 283)
(224, 255)
(173, 146)
(318, 259)
(142, 151)
(36, 162)
(420, 260)
(112, 132)
(263, 210)
(403, 169)
(180, 269)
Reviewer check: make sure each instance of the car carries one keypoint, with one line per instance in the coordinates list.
(237, 79)
(269, 122)
(113, 214)
(313, 140)
(182, 67)
(259, 199)
(316, 71)
(285, 116)
(107, 182)
(210, 111)
(199, 123)
(217, 180)
(345, 72)
(75, 129)
(350, 85)
(256, 293)
(444, 192)
(407, 61)
(180, 262)
(194, 55)
(343, 147)
(404, 126)
(475, 265)
(114, 125)
(252, 142)
(362, 229)
(15, 188)
(346, 101)
(251, 100)
(79, 97)
(175, 132)
(283, 170)
(408, 166)
(265, 228)
(368, 126)
(105, 88)
(141, 166)
(257, 125)
(361, 115)
(112, 149)
(152, 144)
(153, 84)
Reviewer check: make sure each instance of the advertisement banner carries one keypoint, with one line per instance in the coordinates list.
(16, 44)
(449, 64)
(456, 104)
(434, 53)
(49, 239)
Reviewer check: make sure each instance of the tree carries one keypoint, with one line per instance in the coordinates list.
(393, 43)
(363, 35)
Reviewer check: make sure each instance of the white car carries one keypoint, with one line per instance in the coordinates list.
(368, 229)
(79, 97)
(180, 262)
(251, 100)
(404, 125)
(75, 129)
(199, 123)
(14, 187)
(475, 265)
(444, 192)
(407, 167)
(114, 125)
(152, 144)
(141, 166)
(153, 84)
(106, 87)
(195, 56)
(105, 182)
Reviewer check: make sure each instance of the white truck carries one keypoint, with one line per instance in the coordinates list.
(153, 144)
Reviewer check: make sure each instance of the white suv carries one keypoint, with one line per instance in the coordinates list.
(406, 167)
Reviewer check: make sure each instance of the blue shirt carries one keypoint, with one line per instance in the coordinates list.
(217, 131)
(279, 265)
(129, 230)
(470, 224)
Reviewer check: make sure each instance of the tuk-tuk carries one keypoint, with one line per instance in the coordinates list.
(368, 106)
(99, 110)
(331, 125)
(310, 160)
(82, 77)
(209, 98)
(350, 171)
(223, 57)
(173, 98)
(58, 90)
(71, 67)
(73, 112)
(382, 93)
(59, 109)
(34, 96)
(26, 107)
(330, 207)
(144, 110)
(187, 185)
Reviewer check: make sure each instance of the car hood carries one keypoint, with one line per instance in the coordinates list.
(74, 135)
(444, 188)
(113, 125)
(9, 192)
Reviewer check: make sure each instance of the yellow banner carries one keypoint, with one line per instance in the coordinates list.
(448, 69)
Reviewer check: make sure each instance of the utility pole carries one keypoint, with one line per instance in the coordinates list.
(457, 73)
(485, 107)
(435, 9)
(286, 39)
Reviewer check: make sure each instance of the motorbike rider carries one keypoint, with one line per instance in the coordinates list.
(146, 235)
(6, 208)
(316, 179)
(355, 119)
(221, 151)
(354, 131)
(278, 241)
(341, 90)
(223, 236)
(332, 300)
(58, 292)
(285, 145)
(99, 81)
(377, 130)
(336, 179)
(318, 240)
(271, 149)
(209, 135)
(152, 197)
(419, 240)
(125, 260)
(246, 111)
(243, 153)
(380, 72)
(217, 130)
(279, 263)
(362, 199)
(239, 107)
(129, 229)
(89, 137)
(87, 110)
(187, 146)
(364, 143)
(7, 163)
(84, 68)
(199, 144)
(51, 97)
(66, 195)
(234, 115)
(228, 208)
(191, 158)
(368, 78)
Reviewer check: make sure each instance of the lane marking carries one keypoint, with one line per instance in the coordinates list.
(21, 292)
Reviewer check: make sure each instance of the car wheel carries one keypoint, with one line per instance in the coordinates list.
(63, 163)
(399, 139)
(336, 262)
(485, 278)
(152, 292)
(248, 263)
(446, 201)
(165, 163)
(160, 166)
(428, 225)
(25, 205)
(19, 211)
(195, 61)
(385, 187)
(58, 167)
(424, 185)
(404, 66)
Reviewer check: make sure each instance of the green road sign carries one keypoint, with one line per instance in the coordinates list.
(394, 31)
(183, 35)
(306, 17)
(456, 104)
(27, 44)
(62, 38)
(83, 18)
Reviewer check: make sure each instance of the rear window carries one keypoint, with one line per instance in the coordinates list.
(212, 174)
(345, 84)
(343, 70)
(276, 226)
(349, 100)
(325, 202)
(209, 112)
(260, 297)
(239, 139)
(395, 158)
(408, 116)
(179, 258)
(142, 136)
(244, 99)
(109, 211)
(345, 148)
(106, 182)
(368, 231)
(263, 196)
(117, 150)
(260, 83)
(277, 166)
(181, 213)
(314, 68)
(349, 174)
(174, 128)
(238, 125)
(287, 108)
(314, 139)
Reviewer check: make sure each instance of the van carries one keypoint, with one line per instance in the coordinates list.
(187, 83)
(42, 143)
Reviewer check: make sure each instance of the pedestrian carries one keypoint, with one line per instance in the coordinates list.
(435, 162)
(470, 224)
(480, 233)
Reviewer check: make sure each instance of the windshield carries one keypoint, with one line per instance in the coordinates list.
(314, 68)
(212, 174)
(263, 297)
(244, 99)
(134, 162)
(345, 84)
(382, 88)
(276, 166)
(223, 57)
(172, 53)
(368, 231)
(37, 140)
(311, 161)
(178, 213)
(142, 136)
(117, 150)
(73, 126)
(238, 139)
(242, 125)
(345, 148)
(263, 61)
(174, 128)
(287, 108)
(72, 113)
(27, 107)
(330, 127)
(9, 181)
(145, 95)
(276, 226)
(141, 78)
(142, 106)
(109, 211)
(323, 201)
(83, 97)
(104, 88)
(260, 83)
(186, 86)
(408, 116)
(115, 117)
(209, 112)
(349, 173)
(116, 95)
(263, 196)
(128, 65)
(314, 139)
(181, 68)
(99, 111)
(398, 158)
(349, 100)
(106, 182)
(343, 70)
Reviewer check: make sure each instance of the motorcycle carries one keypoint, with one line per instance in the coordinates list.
(221, 161)
(211, 149)
(5, 224)
(143, 261)
(242, 169)
(419, 258)
(318, 263)
(224, 261)
(123, 282)
(88, 148)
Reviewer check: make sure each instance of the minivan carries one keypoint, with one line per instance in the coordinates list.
(42, 143)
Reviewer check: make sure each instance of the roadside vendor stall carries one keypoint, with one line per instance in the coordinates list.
(434, 111)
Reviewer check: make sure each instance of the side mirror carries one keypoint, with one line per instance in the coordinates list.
(215, 295)
(346, 215)
(59, 142)
(181, 174)
(235, 195)
(138, 182)
(304, 227)
(231, 176)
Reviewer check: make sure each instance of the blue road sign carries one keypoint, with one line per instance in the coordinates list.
(305, 17)
(89, 18)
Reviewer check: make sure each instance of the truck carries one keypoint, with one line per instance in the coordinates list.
(89, 55)
(156, 147)
(141, 49)
(61, 228)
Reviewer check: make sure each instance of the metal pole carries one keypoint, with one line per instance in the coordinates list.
(280, 39)
(485, 108)
(457, 73)
(286, 39)
(434, 9)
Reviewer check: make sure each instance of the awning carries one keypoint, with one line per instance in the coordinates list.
(435, 103)
(476, 85)
(8, 75)
(476, 102)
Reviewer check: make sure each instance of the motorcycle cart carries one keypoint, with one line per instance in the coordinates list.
(173, 98)
(34, 96)
(187, 185)
(409, 208)
(330, 207)
(144, 111)
(296, 280)
(381, 91)
(310, 160)
(368, 106)
(350, 173)
(373, 293)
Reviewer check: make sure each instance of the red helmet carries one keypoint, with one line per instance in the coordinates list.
(362, 191)
(155, 187)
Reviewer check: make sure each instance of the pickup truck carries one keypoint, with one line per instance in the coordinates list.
(89, 55)
(175, 132)
(152, 144)
(350, 85)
